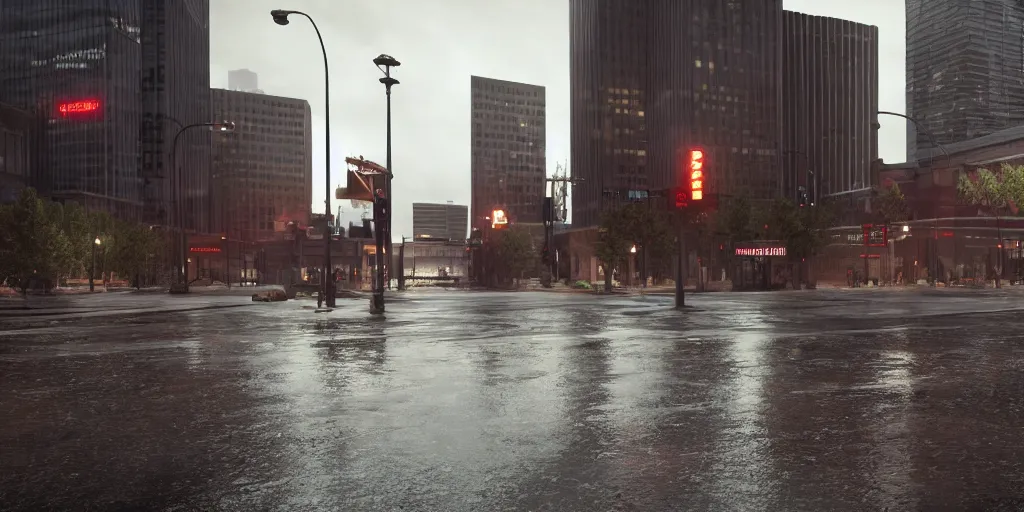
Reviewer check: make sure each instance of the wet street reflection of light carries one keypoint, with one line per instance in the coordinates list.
(891, 459)
(516, 401)
(744, 436)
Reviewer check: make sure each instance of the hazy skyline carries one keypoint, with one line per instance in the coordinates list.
(440, 45)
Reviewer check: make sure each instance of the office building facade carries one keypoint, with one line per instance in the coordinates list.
(829, 101)
(444, 221)
(644, 93)
(175, 92)
(263, 171)
(508, 166)
(18, 131)
(75, 66)
(113, 82)
(963, 70)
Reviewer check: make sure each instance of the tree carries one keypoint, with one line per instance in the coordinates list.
(892, 205)
(737, 220)
(130, 250)
(511, 254)
(27, 236)
(1000, 193)
(632, 224)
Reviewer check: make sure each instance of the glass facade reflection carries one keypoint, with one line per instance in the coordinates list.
(55, 52)
(964, 62)
(650, 80)
(146, 64)
(175, 91)
(830, 97)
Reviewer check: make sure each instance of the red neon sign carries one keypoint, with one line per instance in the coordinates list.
(70, 108)
(204, 249)
(697, 174)
(761, 251)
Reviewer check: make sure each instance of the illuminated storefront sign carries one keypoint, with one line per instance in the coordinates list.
(761, 251)
(73, 108)
(204, 249)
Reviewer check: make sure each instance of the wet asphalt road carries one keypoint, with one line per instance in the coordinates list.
(841, 400)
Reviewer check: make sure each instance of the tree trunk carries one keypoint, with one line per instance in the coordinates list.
(607, 278)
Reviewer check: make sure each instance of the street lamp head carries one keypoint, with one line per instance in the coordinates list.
(97, 241)
(280, 16)
(632, 250)
(388, 61)
(388, 81)
(225, 126)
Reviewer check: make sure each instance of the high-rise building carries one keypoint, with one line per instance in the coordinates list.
(829, 104)
(243, 80)
(444, 221)
(175, 88)
(75, 66)
(963, 70)
(18, 132)
(262, 171)
(113, 82)
(508, 166)
(650, 81)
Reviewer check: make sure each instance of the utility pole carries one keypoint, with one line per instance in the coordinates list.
(555, 210)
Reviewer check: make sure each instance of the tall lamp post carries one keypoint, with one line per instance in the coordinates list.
(385, 63)
(281, 18)
(181, 284)
(933, 261)
(92, 263)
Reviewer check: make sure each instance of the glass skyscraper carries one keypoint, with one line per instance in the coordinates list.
(964, 70)
(109, 80)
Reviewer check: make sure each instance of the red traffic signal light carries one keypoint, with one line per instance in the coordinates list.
(697, 174)
(681, 199)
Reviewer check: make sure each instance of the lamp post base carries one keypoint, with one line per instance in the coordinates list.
(377, 303)
(179, 288)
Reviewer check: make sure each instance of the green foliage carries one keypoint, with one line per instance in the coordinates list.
(628, 225)
(801, 229)
(513, 254)
(50, 240)
(738, 220)
(1001, 193)
(892, 205)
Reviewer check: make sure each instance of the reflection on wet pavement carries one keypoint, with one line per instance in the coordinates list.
(521, 401)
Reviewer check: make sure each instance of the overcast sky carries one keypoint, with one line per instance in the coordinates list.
(440, 44)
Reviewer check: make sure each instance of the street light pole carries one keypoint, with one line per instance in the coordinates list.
(281, 18)
(181, 284)
(92, 264)
(385, 63)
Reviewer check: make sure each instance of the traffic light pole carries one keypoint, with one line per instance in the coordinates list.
(681, 269)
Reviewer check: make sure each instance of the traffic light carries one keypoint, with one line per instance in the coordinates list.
(499, 219)
(697, 174)
(681, 199)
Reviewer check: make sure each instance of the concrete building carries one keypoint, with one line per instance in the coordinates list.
(829, 105)
(508, 166)
(114, 81)
(650, 81)
(18, 132)
(243, 80)
(963, 70)
(444, 221)
(263, 171)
